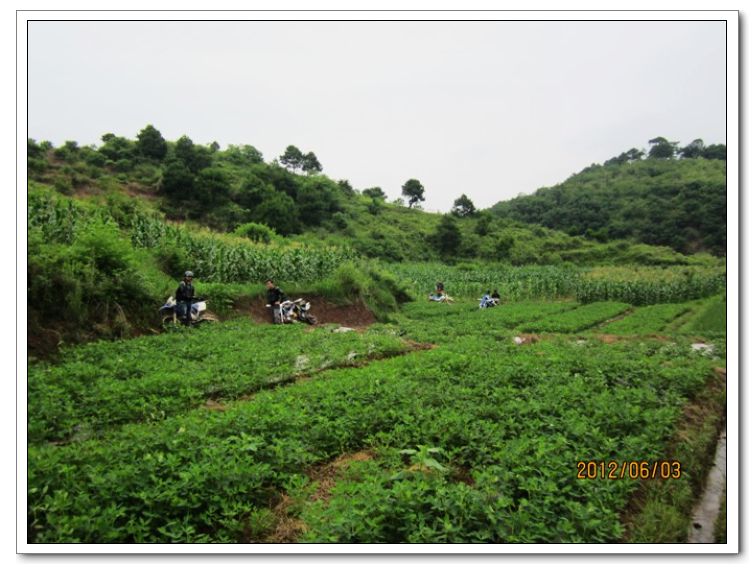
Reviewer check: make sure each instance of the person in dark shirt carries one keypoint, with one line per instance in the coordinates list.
(496, 296)
(184, 297)
(274, 298)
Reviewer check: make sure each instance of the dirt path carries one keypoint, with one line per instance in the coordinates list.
(352, 315)
(705, 513)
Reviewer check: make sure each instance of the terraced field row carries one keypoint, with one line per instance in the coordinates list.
(101, 386)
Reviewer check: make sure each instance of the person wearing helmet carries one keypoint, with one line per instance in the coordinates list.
(184, 297)
(274, 298)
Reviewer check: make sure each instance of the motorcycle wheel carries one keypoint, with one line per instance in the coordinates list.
(211, 317)
(311, 319)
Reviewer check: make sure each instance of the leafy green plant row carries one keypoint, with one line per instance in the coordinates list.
(647, 320)
(577, 319)
(435, 322)
(515, 423)
(101, 386)
(708, 320)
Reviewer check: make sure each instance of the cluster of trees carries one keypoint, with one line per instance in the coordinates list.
(670, 196)
(295, 160)
(223, 189)
(638, 195)
(661, 148)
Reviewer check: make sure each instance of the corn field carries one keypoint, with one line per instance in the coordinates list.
(214, 257)
(225, 259)
(650, 286)
(514, 283)
(637, 286)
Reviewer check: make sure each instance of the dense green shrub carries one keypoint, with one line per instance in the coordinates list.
(93, 280)
(366, 281)
(257, 232)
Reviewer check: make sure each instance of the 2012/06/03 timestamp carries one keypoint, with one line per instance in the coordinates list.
(633, 469)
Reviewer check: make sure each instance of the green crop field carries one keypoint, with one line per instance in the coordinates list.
(104, 385)
(392, 418)
(434, 427)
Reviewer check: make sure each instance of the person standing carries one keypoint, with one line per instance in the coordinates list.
(184, 298)
(274, 299)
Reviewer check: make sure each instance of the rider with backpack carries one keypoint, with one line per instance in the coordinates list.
(184, 298)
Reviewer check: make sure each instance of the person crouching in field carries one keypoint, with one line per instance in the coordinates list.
(440, 294)
(274, 299)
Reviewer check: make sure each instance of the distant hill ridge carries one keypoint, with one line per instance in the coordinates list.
(662, 201)
(675, 198)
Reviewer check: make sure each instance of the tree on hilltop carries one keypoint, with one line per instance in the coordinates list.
(292, 158)
(310, 164)
(662, 148)
(415, 191)
(151, 144)
(463, 207)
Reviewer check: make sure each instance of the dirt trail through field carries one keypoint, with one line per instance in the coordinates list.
(353, 315)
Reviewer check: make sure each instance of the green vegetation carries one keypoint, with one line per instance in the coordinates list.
(647, 320)
(213, 256)
(445, 423)
(709, 320)
(104, 269)
(665, 514)
(215, 475)
(659, 201)
(226, 189)
(433, 323)
(578, 319)
(647, 286)
(469, 280)
(105, 385)
(635, 285)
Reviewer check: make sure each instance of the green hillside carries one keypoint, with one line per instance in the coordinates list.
(678, 201)
(227, 190)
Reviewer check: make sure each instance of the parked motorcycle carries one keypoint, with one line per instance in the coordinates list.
(199, 312)
(296, 311)
(487, 301)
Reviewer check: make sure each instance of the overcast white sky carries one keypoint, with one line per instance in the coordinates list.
(490, 109)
